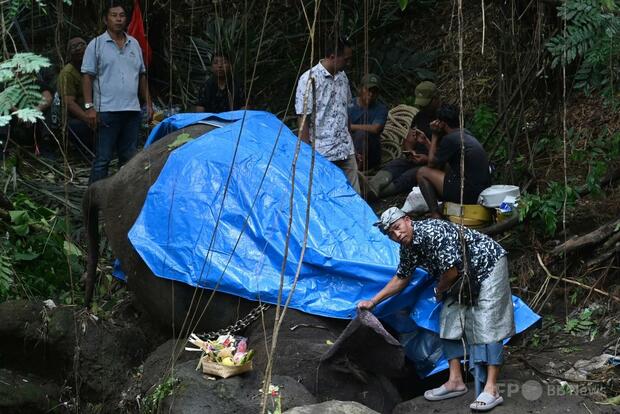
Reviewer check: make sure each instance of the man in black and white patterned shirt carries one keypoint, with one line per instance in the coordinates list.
(325, 90)
(435, 245)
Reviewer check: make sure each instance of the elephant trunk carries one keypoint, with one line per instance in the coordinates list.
(90, 211)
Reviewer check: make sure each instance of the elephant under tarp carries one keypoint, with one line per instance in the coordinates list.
(218, 216)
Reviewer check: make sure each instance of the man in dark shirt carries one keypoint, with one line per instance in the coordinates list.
(367, 118)
(399, 175)
(445, 148)
(220, 93)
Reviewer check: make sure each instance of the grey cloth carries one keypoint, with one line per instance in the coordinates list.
(366, 343)
(491, 320)
(116, 72)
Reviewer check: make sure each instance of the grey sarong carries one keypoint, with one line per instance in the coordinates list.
(491, 320)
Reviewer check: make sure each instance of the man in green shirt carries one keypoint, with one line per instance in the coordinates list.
(71, 95)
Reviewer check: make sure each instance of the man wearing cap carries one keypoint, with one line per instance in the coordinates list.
(321, 101)
(72, 97)
(367, 117)
(480, 320)
(399, 175)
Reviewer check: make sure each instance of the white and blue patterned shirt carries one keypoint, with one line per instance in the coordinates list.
(436, 247)
(330, 133)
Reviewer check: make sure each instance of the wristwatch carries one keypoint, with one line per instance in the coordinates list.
(89, 105)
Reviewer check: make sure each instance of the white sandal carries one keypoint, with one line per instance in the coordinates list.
(486, 402)
(442, 393)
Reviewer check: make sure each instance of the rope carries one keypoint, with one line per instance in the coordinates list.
(395, 130)
(279, 318)
(463, 242)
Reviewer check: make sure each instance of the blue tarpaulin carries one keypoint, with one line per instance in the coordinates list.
(219, 212)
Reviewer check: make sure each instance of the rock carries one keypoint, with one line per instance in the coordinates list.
(195, 393)
(44, 343)
(333, 407)
(19, 318)
(304, 339)
(158, 362)
(582, 368)
(26, 393)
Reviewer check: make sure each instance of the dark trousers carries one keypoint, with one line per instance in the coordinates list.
(403, 173)
(368, 146)
(116, 131)
(81, 134)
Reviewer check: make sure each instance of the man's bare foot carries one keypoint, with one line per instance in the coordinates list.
(491, 389)
(454, 385)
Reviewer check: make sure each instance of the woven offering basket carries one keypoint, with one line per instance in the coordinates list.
(223, 371)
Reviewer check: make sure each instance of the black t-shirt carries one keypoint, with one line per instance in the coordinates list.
(216, 100)
(477, 176)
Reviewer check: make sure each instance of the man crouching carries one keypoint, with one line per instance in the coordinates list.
(477, 311)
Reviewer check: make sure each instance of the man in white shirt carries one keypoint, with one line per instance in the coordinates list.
(325, 89)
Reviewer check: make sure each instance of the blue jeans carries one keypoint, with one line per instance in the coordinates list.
(116, 131)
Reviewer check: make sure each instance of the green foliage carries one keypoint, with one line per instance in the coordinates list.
(598, 153)
(582, 324)
(6, 275)
(180, 140)
(481, 124)
(483, 120)
(402, 4)
(544, 208)
(152, 401)
(21, 94)
(35, 253)
(592, 39)
(285, 48)
(15, 7)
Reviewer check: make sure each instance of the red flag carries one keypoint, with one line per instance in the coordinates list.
(136, 29)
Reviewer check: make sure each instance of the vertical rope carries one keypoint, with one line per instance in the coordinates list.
(280, 318)
(484, 26)
(189, 56)
(463, 242)
(170, 88)
(564, 160)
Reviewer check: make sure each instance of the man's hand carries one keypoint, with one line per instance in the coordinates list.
(421, 138)
(149, 112)
(91, 118)
(421, 159)
(436, 126)
(365, 305)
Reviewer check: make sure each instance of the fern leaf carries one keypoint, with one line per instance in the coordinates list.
(28, 114)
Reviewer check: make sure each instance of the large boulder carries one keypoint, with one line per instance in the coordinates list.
(303, 342)
(333, 407)
(197, 393)
(61, 345)
(26, 393)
